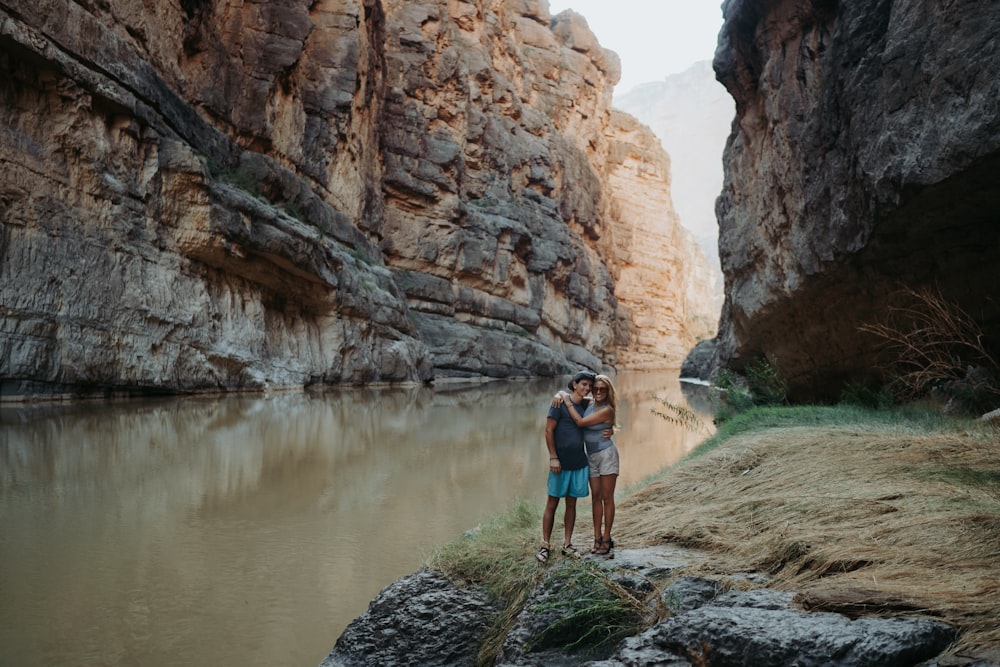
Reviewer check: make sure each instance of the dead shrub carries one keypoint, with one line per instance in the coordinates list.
(934, 346)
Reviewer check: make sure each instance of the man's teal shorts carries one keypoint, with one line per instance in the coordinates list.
(569, 483)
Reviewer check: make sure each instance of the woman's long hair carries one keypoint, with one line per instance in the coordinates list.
(611, 400)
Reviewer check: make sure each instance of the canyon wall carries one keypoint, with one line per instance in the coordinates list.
(864, 157)
(665, 277)
(239, 195)
(692, 114)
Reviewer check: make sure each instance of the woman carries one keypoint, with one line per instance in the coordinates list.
(602, 454)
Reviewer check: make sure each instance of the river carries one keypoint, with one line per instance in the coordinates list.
(250, 530)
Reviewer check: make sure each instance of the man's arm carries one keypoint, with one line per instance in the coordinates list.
(550, 444)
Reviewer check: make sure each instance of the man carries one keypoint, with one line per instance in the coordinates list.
(568, 466)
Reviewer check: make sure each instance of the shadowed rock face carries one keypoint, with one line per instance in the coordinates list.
(864, 157)
(184, 200)
(221, 195)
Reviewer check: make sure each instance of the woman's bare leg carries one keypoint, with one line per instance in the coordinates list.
(608, 483)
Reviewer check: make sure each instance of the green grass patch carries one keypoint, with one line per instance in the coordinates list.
(360, 255)
(498, 557)
(916, 418)
(588, 612)
(591, 613)
(487, 202)
(243, 179)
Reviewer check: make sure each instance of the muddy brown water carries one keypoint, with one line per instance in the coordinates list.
(250, 530)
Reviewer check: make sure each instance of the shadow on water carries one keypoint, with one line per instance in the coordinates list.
(251, 529)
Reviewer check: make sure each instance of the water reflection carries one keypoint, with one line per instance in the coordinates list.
(251, 530)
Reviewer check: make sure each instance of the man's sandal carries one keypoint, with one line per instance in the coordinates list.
(570, 550)
(543, 554)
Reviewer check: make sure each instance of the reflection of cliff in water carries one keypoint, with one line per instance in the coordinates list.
(166, 524)
(203, 451)
(200, 452)
(649, 442)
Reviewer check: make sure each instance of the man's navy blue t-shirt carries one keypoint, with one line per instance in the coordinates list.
(569, 437)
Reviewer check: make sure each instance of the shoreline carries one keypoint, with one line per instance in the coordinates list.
(853, 512)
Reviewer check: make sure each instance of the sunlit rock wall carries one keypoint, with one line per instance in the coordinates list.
(864, 156)
(492, 137)
(662, 273)
(691, 113)
(238, 195)
(507, 202)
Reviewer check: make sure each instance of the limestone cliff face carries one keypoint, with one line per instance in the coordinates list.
(504, 182)
(169, 223)
(864, 156)
(663, 274)
(691, 113)
(227, 195)
(493, 217)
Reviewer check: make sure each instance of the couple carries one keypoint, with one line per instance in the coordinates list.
(578, 434)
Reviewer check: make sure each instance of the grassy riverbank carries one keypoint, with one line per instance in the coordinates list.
(860, 511)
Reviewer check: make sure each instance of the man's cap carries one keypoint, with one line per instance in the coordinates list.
(582, 375)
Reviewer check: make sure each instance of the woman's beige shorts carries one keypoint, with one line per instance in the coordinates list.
(604, 462)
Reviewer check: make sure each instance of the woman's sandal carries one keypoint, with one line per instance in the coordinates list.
(543, 554)
(597, 545)
(606, 546)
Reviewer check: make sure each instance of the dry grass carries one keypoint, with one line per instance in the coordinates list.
(858, 519)
(932, 340)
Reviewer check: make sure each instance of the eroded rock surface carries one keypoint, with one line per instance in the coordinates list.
(528, 224)
(421, 619)
(238, 195)
(705, 624)
(174, 218)
(864, 156)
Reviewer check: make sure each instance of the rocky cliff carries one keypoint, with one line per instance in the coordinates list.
(230, 195)
(864, 156)
(691, 113)
(665, 279)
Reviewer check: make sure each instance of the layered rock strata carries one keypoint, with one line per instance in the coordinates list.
(864, 157)
(240, 195)
(506, 178)
(663, 275)
(175, 218)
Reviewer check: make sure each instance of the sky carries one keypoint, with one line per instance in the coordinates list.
(653, 38)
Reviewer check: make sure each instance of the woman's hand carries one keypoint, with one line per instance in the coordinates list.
(557, 400)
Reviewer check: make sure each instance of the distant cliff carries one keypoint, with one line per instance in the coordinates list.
(865, 155)
(692, 114)
(221, 195)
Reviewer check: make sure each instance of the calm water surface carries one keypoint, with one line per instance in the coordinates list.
(251, 530)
